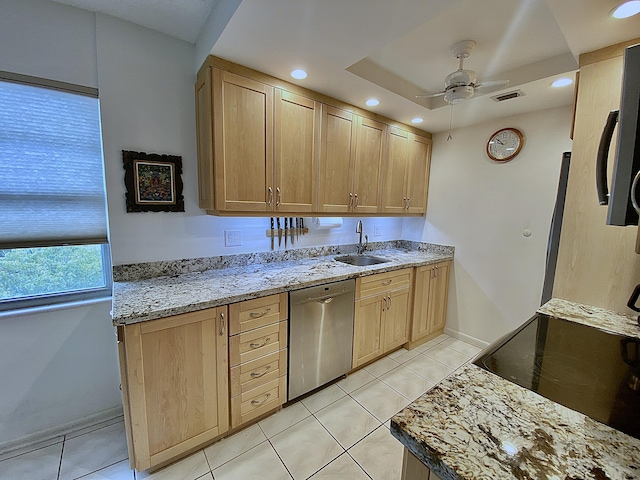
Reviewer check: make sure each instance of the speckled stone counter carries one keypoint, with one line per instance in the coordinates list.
(476, 425)
(150, 298)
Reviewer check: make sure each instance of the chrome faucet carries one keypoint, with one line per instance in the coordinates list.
(361, 248)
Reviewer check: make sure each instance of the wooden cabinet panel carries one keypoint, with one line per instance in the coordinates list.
(177, 382)
(367, 329)
(430, 298)
(250, 314)
(249, 375)
(395, 173)
(383, 282)
(370, 146)
(336, 151)
(256, 343)
(256, 402)
(204, 129)
(243, 141)
(297, 125)
(418, 174)
(396, 324)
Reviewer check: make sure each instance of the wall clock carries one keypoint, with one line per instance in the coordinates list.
(505, 144)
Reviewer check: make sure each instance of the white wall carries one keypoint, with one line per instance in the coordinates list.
(60, 366)
(482, 208)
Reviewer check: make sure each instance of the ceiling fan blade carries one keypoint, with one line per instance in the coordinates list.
(430, 95)
(491, 84)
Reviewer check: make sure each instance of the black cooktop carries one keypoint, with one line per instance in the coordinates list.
(583, 368)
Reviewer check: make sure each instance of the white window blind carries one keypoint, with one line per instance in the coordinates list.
(51, 170)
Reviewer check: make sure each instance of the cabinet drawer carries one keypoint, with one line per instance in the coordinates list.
(250, 314)
(383, 282)
(258, 401)
(257, 343)
(249, 375)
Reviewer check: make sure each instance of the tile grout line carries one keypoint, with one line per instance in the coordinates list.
(279, 457)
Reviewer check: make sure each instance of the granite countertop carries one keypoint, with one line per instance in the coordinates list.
(476, 425)
(147, 299)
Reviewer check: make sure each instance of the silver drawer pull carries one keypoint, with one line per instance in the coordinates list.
(261, 314)
(258, 345)
(386, 282)
(260, 402)
(258, 375)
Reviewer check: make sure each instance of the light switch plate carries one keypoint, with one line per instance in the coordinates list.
(232, 238)
(377, 231)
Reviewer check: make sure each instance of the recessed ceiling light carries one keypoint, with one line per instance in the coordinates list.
(372, 102)
(561, 82)
(417, 120)
(626, 9)
(299, 74)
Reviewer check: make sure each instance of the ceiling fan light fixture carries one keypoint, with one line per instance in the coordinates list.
(626, 9)
(456, 95)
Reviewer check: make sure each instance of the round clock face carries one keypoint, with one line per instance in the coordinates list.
(505, 144)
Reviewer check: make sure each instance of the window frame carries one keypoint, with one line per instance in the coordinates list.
(62, 298)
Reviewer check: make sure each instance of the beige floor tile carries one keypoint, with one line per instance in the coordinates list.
(380, 399)
(119, 471)
(447, 356)
(324, 397)
(305, 448)
(382, 366)
(31, 447)
(92, 451)
(355, 381)
(347, 421)
(39, 464)
(259, 463)
(408, 355)
(190, 468)
(426, 346)
(97, 426)
(342, 468)
(230, 447)
(379, 454)
(462, 347)
(429, 368)
(284, 419)
(406, 382)
(397, 353)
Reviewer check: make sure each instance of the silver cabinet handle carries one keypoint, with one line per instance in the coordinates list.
(384, 304)
(437, 271)
(386, 282)
(261, 314)
(222, 324)
(258, 375)
(408, 202)
(389, 302)
(356, 204)
(279, 193)
(634, 200)
(258, 345)
(256, 403)
(350, 200)
(270, 201)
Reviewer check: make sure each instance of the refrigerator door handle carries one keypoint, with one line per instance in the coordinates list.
(603, 157)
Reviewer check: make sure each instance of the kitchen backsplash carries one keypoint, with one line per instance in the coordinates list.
(141, 271)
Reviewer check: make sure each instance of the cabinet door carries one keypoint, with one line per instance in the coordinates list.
(204, 134)
(438, 295)
(243, 143)
(370, 145)
(396, 322)
(395, 172)
(422, 286)
(297, 124)
(178, 384)
(418, 174)
(367, 329)
(336, 157)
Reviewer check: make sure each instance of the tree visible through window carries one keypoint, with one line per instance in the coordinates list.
(53, 235)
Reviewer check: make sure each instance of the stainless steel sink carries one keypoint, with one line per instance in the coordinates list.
(361, 260)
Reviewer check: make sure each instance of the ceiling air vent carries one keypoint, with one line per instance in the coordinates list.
(507, 96)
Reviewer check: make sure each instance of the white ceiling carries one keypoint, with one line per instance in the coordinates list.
(393, 50)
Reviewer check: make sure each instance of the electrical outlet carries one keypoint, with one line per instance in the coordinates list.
(232, 238)
(377, 231)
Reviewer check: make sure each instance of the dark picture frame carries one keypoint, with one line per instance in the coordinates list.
(153, 182)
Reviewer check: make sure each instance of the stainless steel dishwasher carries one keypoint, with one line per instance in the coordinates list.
(320, 335)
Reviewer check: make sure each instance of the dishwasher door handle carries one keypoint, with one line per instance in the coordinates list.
(325, 300)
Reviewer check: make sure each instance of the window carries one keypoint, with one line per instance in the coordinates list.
(53, 227)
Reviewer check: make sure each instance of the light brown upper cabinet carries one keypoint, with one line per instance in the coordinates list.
(352, 152)
(406, 173)
(266, 146)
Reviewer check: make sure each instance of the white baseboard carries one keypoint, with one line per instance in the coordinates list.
(466, 338)
(51, 434)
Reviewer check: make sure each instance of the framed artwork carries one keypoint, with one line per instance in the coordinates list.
(153, 182)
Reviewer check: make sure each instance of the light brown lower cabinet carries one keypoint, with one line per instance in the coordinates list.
(381, 317)
(175, 384)
(430, 293)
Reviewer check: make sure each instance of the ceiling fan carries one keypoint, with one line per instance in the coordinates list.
(461, 84)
